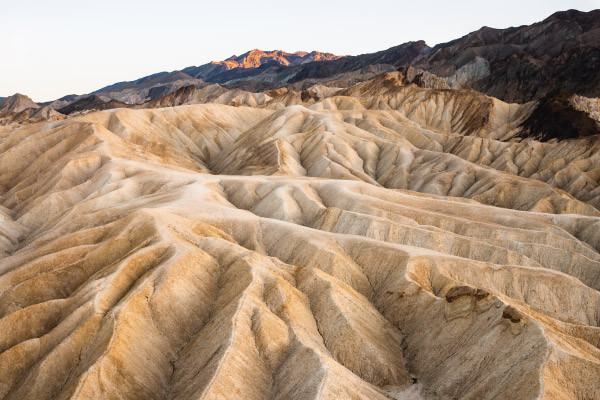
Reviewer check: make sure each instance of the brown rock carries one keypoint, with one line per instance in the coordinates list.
(458, 291)
(513, 314)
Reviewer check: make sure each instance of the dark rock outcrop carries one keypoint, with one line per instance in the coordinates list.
(92, 102)
(513, 314)
(459, 291)
(404, 54)
(556, 118)
(524, 63)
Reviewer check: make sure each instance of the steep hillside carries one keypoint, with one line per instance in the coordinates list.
(527, 62)
(15, 104)
(92, 102)
(223, 71)
(149, 87)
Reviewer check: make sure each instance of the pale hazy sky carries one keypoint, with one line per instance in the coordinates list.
(58, 47)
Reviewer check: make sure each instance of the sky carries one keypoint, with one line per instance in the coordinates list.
(54, 48)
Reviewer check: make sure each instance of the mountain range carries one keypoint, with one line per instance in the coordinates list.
(517, 64)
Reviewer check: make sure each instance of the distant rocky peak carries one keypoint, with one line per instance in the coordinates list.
(422, 78)
(17, 103)
(256, 57)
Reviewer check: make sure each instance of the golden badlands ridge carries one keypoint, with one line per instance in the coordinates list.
(384, 241)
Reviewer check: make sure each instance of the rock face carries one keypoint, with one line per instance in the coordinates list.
(527, 62)
(20, 109)
(15, 104)
(387, 240)
(512, 314)
(390, 59)
(89, 103)
(460, 291)
(558, 116)
(256, 58)
(252, 63)
(423, 78)
(215, 94)
(62, 102)
(146, 88)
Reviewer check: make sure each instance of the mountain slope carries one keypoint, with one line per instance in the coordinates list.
(516, 64)
(220, 72)
(215, 94)
(527, 62)
(15, 104)
(20, 109)
(558, 116)
(92, 102)
(148, 87)
(402, 55)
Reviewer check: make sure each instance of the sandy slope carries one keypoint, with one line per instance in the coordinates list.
(363, 246)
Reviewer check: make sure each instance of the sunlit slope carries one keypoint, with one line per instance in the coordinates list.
(322, 251)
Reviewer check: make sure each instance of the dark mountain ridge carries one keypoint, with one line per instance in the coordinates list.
(516, 64)
(524, 63)
(91, 102)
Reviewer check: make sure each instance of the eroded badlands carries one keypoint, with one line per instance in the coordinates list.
(379, 242)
